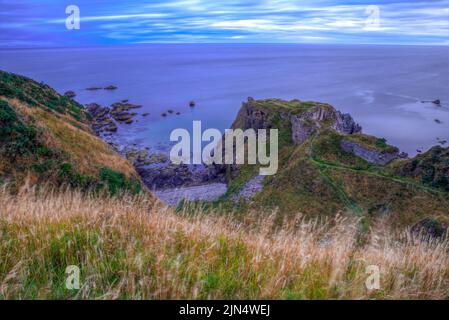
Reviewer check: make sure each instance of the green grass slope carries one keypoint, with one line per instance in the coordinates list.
(319, 178)
(46, 138)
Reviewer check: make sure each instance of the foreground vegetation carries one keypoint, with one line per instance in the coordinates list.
(130, 247)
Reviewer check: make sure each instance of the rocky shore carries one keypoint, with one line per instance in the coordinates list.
(208, 183)
(197, 182)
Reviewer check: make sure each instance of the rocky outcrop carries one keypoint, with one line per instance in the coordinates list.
(101, 119)
(309, 122)
(304, 118)
(169, 176)
(120, 112)
(70, 94)
(372, 156)
(344, 123)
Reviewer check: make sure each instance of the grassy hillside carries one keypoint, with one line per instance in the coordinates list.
(130, 249)
(46, 138)
(129, 246)
(318, 177)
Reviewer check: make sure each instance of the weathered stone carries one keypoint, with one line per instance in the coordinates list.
(345, 124)
(376, 157)
(101, 119)
(304, 124)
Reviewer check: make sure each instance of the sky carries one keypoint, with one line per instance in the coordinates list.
(42, 23)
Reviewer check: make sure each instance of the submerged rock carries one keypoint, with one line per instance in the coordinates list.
(94, 88)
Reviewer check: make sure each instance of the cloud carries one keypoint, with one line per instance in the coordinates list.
(332, 21)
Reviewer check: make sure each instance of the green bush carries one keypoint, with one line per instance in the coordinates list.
(17, 138)
(117, 181)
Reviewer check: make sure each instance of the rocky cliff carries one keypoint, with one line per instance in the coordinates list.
(328, 165)
(304, 118)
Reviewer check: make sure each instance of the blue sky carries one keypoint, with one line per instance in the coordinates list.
(31, 23)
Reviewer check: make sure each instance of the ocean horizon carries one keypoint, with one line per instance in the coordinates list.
(382, 86)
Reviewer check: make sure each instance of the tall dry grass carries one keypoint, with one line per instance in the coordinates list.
(132, 248)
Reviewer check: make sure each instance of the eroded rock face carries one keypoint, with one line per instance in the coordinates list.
(309, 122)
(345, 124)
(255, 117)
(376, 157)
(302, 128)
(303, 124)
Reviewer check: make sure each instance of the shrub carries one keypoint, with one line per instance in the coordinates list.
(17, 138)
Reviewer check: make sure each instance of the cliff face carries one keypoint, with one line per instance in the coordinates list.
(327, 165)
(47, 138)
(304, 118)
(371, 155)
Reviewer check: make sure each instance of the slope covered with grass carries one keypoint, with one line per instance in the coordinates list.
(128, 247)
(318, 177)
(46, 137)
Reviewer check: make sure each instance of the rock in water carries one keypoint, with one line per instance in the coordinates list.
(94, 88)
(101, 119)
(111, 87)
(70, 94)
(120, 112)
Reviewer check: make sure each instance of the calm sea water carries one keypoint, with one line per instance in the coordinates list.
(381, 86)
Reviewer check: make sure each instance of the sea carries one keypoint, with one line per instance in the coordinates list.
(386, 89)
